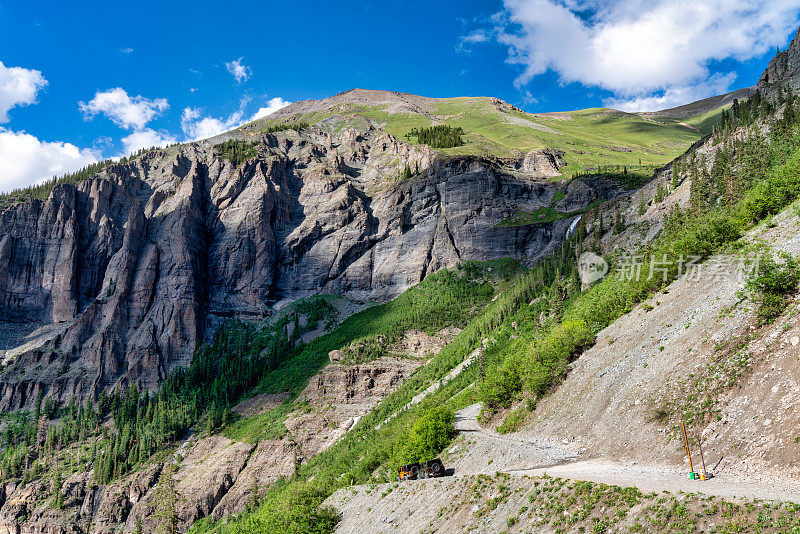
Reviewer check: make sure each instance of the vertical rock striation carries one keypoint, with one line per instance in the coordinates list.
(129, 270)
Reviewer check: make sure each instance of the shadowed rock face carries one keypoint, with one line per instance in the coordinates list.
(783, 69)
(129, 270)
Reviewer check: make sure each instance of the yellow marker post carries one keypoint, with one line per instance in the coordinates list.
(688, 453)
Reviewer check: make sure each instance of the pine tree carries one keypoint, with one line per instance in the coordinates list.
(167, 499)
(58, 497)
(619, 223)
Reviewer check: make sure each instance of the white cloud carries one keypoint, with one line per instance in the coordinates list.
(25, 160)
(126, 50)
(239, 70)
(674, 96)
(130, 113)
(197, 127)
(126, 112)
(473, 37)
(642, 49)
(145, 139)
(273, 105)
(528, 98)
(18, 87)
(477, 36)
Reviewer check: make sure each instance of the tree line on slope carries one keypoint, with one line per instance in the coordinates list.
(237, 359)
(42, 191)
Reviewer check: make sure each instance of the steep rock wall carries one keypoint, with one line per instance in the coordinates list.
(131, 269)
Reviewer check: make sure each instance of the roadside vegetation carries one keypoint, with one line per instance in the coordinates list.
(772, 285)
(577, 506)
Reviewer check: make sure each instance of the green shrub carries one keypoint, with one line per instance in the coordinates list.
(428, 436)
(772, 284)
(292, 509)
(513, 421)
(501, 385)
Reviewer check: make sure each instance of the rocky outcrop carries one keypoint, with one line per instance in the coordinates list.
(339, 396)
(783, 69)
(544, 163)
(271, 460)
(140, 263)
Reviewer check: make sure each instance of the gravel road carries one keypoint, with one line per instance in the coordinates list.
(486, 451)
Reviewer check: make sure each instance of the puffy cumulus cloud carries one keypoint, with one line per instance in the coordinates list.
(197, 126)
(273, 105)
(146, 138)
(18, 87)
(26, 160)
(239, 70)
(642, 50)
(131, 113)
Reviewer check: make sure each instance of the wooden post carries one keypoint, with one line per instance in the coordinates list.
(686, 442)
(700, 446)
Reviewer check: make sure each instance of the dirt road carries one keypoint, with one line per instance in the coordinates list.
(486, 451)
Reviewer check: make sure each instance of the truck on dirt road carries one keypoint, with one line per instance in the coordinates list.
(418, 470)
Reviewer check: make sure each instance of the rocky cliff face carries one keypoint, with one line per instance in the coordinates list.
(126, 272)
(783, 69)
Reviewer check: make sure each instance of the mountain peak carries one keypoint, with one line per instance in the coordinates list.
(358, 97)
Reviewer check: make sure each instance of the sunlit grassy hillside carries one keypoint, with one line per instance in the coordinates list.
(589, 138)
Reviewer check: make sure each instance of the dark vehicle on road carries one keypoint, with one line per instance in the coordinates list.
(430, 469)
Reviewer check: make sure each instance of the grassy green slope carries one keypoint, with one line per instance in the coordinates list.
(705, 122)
(589, 138)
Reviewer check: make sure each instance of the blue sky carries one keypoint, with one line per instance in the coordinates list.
(88, 80)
